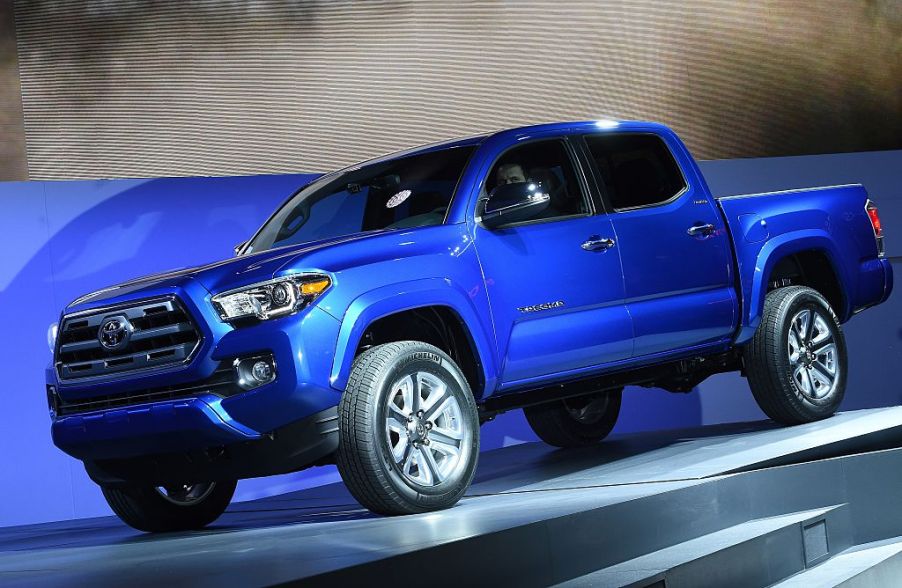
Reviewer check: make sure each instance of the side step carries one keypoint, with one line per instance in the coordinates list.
(863, 566)
(755, 553)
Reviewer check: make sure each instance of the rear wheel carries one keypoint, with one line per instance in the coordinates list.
(575, 422)
(796, 362)
(170, 508)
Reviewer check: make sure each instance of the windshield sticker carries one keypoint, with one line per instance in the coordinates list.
(398, 198)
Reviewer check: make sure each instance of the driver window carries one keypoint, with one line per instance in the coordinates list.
(549, 164)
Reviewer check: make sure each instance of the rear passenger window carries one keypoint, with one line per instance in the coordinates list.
(637, 169)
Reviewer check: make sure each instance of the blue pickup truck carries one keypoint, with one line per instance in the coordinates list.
(388, 309)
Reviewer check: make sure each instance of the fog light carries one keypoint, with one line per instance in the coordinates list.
(53, 401)
(251, 372)
(262, 371)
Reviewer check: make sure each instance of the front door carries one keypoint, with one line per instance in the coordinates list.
(554, 282)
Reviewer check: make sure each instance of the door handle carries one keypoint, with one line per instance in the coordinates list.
(597, 243)
(701, 230)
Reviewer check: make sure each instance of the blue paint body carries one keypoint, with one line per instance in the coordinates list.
(660, 294)
(768, 227)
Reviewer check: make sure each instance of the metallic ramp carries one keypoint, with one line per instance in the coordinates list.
(638, 509)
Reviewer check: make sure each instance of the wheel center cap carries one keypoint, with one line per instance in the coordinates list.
(417, 430)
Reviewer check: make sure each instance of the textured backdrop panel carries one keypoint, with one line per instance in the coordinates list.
(204, 87)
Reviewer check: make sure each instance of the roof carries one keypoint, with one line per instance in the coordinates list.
(572, 126)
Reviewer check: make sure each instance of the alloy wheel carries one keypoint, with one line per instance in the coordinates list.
(425, 430)
(588, 409)
(186, 494)
(813, 354)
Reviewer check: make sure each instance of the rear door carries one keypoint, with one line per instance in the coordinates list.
(675, 249)
(556, 295)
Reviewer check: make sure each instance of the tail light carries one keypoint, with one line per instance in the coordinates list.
(874, 216)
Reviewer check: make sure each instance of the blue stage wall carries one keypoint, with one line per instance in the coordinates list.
(63, 239)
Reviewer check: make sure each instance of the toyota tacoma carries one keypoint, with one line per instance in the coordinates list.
(385, 311)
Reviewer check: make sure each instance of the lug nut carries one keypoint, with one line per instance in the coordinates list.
(428, 426)
(425, 441)
(420, 413)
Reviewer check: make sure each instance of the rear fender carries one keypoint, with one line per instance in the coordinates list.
(754, 276)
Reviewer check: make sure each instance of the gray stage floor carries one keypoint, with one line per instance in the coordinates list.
(321, 530)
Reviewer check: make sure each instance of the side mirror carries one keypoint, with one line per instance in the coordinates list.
(237, 249)
(511, 203)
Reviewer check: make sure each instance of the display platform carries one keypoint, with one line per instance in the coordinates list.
(748, 504)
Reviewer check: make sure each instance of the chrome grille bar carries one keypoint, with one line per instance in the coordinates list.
(161, 333)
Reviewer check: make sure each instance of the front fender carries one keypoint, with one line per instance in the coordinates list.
(754, 274)
(387, 300)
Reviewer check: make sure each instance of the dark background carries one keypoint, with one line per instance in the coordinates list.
(133, 88)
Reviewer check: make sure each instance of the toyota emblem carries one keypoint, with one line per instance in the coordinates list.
(115, 332)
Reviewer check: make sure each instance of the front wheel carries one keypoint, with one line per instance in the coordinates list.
(180, 507)
(796, 362)
(408, 430)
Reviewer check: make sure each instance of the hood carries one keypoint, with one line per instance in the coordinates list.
(219, 276)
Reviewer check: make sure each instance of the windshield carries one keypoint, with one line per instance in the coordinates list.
(410, 191)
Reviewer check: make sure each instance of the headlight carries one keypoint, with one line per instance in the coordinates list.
(271, 299)
(51, 336)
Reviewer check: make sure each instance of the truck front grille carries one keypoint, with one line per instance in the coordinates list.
(142, 336)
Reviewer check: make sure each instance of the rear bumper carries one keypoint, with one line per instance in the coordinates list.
(875, 283)
(887, 278)
(307, 442)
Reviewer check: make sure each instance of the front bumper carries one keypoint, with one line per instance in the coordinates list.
(296, 446)
(303, 348)
(159, 427)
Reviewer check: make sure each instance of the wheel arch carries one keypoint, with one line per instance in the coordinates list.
(812, 268)
(396, 312)
(812, 256)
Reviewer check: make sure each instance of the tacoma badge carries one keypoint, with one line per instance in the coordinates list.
(543, 306)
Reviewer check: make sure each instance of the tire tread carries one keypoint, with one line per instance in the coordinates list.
(769, 386)
(358, 459)
(142, 508)
(553, 424)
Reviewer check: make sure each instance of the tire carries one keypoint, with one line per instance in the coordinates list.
(575, 422)
(789, 371)
(394, 458)
(181, 508)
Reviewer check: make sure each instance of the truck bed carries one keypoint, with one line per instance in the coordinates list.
(831, 221)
